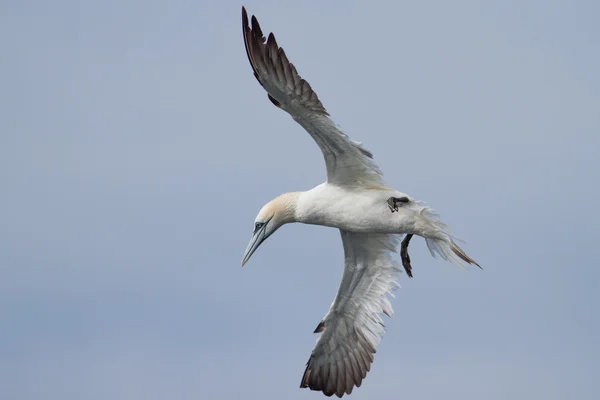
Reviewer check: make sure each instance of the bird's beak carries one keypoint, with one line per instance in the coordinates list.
(257, 238)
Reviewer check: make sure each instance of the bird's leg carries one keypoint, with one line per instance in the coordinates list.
(392, 202)
(404, 255)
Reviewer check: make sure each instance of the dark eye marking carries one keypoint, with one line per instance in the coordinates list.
(258, 225)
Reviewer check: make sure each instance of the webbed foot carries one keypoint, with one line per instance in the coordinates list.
(404, 255)
(392, 202)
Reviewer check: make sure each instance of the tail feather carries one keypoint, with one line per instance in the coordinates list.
(463, 256)
(449, 251)
(440, 242)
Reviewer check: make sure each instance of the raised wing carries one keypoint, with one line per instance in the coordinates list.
(348, 162)
(353, 326)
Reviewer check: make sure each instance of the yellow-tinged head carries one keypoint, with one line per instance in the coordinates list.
(279, 211)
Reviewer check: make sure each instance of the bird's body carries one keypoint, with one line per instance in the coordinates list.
(371, 217)
(353, 209)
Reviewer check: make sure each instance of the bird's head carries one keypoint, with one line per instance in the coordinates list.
(279, 211)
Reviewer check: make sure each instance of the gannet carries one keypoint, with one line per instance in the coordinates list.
(371, 218)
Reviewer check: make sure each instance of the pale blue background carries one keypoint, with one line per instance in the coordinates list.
(136, 149)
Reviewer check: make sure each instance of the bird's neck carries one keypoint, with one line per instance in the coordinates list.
(287, 204)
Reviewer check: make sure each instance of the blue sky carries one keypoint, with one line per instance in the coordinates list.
(136, 149)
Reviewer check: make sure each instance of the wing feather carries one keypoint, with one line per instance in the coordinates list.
(353, 326)
(347, 161)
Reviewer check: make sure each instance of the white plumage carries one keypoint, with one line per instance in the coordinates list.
(370, 216)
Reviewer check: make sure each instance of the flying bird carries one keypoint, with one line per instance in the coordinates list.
(371, 218)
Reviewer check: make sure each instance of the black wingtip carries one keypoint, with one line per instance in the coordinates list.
(271, 41)
(275, 102)
(304, 381)
(244, 17)
(255, 24)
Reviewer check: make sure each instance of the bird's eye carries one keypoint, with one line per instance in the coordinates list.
(257, 226)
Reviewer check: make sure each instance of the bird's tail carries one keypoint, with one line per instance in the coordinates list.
(439, 241)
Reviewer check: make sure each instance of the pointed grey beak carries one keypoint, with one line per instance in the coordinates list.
(257, 238)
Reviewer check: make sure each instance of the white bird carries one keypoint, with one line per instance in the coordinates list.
(371, 218)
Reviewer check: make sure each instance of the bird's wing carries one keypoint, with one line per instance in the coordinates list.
(347, 161)
(353, 326)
